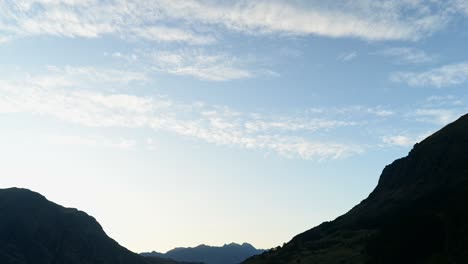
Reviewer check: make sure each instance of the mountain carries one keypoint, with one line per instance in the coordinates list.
(34, 230)
(228, 254)
(418, 213)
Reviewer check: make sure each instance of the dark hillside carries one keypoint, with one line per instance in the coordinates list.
(418, 213)
(34, 230)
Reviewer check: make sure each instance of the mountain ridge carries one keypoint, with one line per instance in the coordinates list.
(34, 230)
(412, 216)
(231, 253)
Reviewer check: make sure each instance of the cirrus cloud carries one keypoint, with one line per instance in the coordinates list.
(153, 20)
(446, 75)
(71, 101)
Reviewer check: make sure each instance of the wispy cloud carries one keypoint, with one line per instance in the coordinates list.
(213, 124)
(152, 20)
(460, 5)
(72, 95)
(406, 20)
(403, 140)
(357, 110)
(167, 34)
(406, 55)
(195, 63)
(447, 75)
(140, 20)
(297, 124)
(69, 76)
(445, 101)
(347, 56)
(438, 116)
(4, 39)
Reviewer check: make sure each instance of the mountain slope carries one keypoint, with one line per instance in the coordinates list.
(418, 213)
(34, 230)
(228, 254)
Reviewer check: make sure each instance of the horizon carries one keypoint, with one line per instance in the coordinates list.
(182, 123)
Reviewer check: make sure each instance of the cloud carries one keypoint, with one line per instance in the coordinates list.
(347, 56)
(460, 5)
(195, 63)
(447, 100)
(202, 65)
(212, 124)
(447, 75)
(380, 112)
(438, 116)
(68, 76)
(292, 147)
(406, 55)
(154, 20)
(403, 140)
(370, 20)
(297, 124)
(73, 95)
(167, 34)
(139, 20)
(4, 39)
(357, 110)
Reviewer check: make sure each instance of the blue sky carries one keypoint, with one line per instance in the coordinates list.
(177, 123)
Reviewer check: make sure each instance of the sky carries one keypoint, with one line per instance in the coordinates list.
(178, 123)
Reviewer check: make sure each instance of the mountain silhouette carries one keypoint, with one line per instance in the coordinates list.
(228, 254)
(34, 230)
(418, 213)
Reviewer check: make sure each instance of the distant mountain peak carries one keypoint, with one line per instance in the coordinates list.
(233, 244)
(232, 253)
